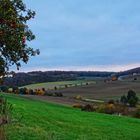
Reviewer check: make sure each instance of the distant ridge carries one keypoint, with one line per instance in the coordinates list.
(129, 72)
(21, 79)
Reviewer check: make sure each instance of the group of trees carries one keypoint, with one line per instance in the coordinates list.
(26, 91)
(22, 79)
(131, 99)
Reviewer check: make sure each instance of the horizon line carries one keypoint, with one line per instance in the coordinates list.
(99, 68)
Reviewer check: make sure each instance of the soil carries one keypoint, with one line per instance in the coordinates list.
(101, 91)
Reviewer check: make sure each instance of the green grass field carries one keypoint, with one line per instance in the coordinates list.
(51, 85)
(36, 120)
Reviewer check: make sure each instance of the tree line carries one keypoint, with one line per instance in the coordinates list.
(22, 79)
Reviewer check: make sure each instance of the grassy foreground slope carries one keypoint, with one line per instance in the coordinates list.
(44, 121)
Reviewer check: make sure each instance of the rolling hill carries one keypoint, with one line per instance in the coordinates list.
(37, 120)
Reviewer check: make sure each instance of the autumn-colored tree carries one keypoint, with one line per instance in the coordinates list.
(39, 92)
(14, 34)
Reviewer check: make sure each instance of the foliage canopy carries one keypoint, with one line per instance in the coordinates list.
(14, 32)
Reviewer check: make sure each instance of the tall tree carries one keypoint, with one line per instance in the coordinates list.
(14, 34)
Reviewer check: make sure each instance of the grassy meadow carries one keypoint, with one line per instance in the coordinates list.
(38, 120)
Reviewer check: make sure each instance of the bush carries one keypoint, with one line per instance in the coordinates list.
(111, 102)
(87, 83)
(15, 90)
(10, 90)
(137, 112)
(43, 89)
(66, 86)
(39, 92)
(123, 100)
(5, 116)
(55, 88)
(49, 94)
(135, 79)
(130, 94)
(78, 97)
(4, 88)
(133, 101)
(88, 108)
(112, 109)
(77, 106)
(130, 99)
(121, 109)
(5, 111)
(58, 94)
(106, 108)
(23, 91)
(101, 108)
(31, 92)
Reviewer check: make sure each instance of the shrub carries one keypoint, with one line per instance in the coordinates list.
(58, 94)
(133, 101)
(101, 108)
(110, 109)
(87, 83)
(77, 106)
(135, 79)
(49, 94)
(106, 108)
(39, 92)
(5, 116)
(10, 90)
(4, 88)
(88, 108)
(78, 97)
(22, 90)
(5, 111)
(137, 112)
(14, 88)
(111, 102)
(31, 92)
(123, 100)
(43, 89)
(55, 88)
(66, 86)
(130, 94)
(130, 99)
(121, 109)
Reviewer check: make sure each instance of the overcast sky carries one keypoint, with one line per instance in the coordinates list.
(85, 34)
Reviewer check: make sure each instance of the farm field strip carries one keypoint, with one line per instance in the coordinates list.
(60, 84)
(96, 90)
(103, 91)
